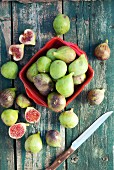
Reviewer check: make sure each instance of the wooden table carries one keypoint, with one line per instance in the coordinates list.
(91, 23)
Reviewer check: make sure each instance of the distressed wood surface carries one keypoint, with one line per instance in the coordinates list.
(89, 27)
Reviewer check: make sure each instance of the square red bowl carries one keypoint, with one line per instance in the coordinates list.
(31, 90)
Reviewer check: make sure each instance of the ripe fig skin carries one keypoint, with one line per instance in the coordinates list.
(9, 70)
(9, 116)
(58, 69)
(68, 119)
(53, 138)
(43, 64)
(96, 96)
(65, 54)
(17, 51)
(32, 71)
(32, 115)
(43, 83)
(61, 24)
(56, 101)
(79, 79)
(33, 143)
(50, 55)
(23, 101)
(7, 97)
(102, 51)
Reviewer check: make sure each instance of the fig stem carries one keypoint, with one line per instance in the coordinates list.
(71, 109)
(13, 89)
(27, 124)
(106, 41)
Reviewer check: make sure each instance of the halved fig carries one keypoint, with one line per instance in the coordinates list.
(32, 115)
(17, 130)
(28, 37)
(17, 51)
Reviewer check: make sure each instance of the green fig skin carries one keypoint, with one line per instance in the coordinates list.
(9, 70)
(61, 24)
(43, 64)
(53, 138)
(79, 66)
(58, 69)
(9, 116)
(50, 55)
(23, 101)
(56, 101)
(32, 71)
(68, 119)
(79, 79)
(65, 54)
(7, 97)
(43, 83)
(96, 96)
(33, 143)
(65, 85)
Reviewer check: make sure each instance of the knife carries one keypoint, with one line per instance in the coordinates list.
(81, 139)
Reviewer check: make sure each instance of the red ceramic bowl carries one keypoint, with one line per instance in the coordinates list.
(31, 90)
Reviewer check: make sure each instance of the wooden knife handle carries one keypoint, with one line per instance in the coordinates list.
(60, 159)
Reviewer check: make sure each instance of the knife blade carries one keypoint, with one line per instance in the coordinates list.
(81, 139)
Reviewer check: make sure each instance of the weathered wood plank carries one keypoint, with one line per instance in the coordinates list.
(90, 28)
(38, 17)
(6, 143)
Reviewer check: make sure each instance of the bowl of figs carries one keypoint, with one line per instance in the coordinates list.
(56, 74)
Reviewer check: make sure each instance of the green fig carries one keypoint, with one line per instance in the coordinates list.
(61, 24)
(79, 79)
(53, 138)
(43, 64)
(50, 55)
(7, 97)
(9, 70)
(68, 119)
(43, 83)
(9, 116)
(65, 85)
(32, 71)
(65, 53)
(58, 69)
(33, 143)
(79, 66)
(56, 101)
(22, 101)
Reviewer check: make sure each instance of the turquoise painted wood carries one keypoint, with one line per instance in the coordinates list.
(89, 27)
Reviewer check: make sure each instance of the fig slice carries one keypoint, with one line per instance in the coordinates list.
(17, 50)
(32, 115)
(17, 130)
(28, 37)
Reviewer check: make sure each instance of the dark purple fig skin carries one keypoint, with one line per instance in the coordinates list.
(53, 138)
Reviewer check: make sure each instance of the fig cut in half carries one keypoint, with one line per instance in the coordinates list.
(17, 51)
(32, 115)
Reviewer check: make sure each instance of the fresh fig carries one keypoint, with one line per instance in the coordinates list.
(65, 53)
(7, 97)
(56, 101)
(28, 38)
(43, 83)
(22, 101)
(32, 71)
(79, 79)
(50, 55)
(9, 116)
(68, 119)
(53, 138)
(96, 96)
(43, 64)
(61, 24)
(58, 69)
(17, 51)
(65, 85)
(9, 70)
(102, 51)
(17, 130)
(32, 115)
(79, 66)
(33, 143)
